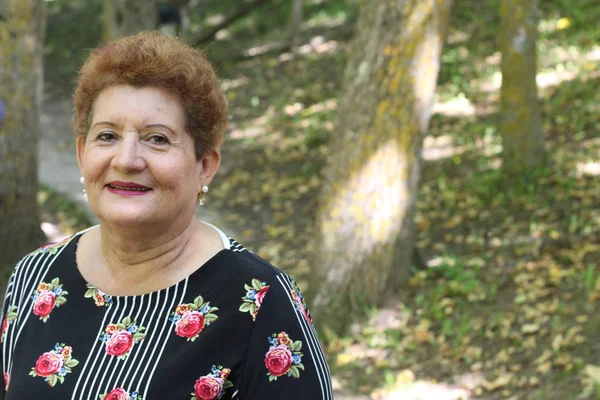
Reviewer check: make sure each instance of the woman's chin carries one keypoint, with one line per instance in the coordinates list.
(128, 216)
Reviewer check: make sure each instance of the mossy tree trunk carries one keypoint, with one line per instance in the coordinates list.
(22, 29)
(127, 17)
(520, 120)
(365, 228)
(296, 22)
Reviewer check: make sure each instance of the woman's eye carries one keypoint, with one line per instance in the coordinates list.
(106, 136)
(158, 139)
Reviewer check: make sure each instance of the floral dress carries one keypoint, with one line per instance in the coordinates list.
(237, 328)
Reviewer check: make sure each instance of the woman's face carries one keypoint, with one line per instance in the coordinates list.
(139, 162)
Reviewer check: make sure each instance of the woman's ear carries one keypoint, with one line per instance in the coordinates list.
(209, 165)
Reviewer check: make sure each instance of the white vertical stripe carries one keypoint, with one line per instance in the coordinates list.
(25, 309)
(114, 304)
(113, 358)
(316, 339)
(105, 356)
(312, 342)
(9, 299)
(148, 326)
(138, 381)
(132, 357)
(165, 339)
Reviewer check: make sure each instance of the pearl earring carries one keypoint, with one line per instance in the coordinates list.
(201, 199)
(82, 180)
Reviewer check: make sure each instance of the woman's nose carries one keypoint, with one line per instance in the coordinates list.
(128, 157)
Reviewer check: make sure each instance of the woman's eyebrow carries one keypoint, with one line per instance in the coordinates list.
(112, 124)
(160, 126)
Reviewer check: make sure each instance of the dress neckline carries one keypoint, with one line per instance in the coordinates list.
(207, 271)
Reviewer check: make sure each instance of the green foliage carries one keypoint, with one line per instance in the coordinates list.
(477, 233)
(73, 27)
(61, 210)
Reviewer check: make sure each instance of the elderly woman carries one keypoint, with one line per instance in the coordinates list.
(153, 303)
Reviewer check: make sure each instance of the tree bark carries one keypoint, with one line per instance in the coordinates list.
(128, 17)
(364, 235)
(296, 22)
(520, 119)
(22, 30)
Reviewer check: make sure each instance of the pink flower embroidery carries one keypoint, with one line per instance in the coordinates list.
(190, 319)
(284, 357)
(47, 297)
(213, 385)
(190, 325)
(44, 304)
(208, 388)
(279, 360)
(255, 294)
(120, 394)
(54, 365)
(299, 302)
(119, 343)
(120, 338)
(11, 315)
(48, 364)
(261, 295)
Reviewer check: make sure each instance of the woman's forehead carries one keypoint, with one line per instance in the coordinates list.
(146, 105)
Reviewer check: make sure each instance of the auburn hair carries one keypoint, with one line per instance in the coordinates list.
(151, 59)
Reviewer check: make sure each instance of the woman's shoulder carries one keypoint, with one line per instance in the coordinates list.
(48, 251)
(247, 263)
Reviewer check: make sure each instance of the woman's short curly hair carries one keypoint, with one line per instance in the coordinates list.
(151, 59)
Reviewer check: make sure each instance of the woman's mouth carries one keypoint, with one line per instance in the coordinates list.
(127, 188)
(138, 189)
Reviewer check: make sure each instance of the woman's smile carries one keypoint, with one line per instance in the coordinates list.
(127, 188)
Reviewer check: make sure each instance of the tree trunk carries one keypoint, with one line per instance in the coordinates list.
(296, 22)
(22, 29)
(127, 17)
(520, 119)
(365, 228)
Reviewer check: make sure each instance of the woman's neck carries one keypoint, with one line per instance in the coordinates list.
(126, 262)
(130, 249)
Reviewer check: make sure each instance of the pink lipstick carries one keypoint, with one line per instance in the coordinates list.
(127, 188)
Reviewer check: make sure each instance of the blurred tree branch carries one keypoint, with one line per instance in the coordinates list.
(241, 12)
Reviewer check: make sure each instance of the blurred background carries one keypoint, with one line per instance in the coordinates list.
(446, 235)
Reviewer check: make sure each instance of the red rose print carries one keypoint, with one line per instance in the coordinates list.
(6, 381)
(191, 324)
(48, 364)
(4, 328)
(44, 304)
(305, 313)
(279, 360)
(301, 307)
(208, 388)
(261, 295)
(117, 394)
(119, 343)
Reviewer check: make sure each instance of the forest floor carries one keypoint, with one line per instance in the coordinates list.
(508, 306)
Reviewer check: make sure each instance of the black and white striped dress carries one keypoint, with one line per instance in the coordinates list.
(236, 328)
